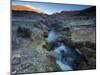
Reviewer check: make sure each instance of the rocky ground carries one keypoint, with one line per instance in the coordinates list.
(29, 56)
(31, 53)
(85, 40)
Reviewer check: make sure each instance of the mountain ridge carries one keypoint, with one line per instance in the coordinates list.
(26, 8)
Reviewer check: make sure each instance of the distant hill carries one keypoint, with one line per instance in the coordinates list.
(69, 11)
(73, 14)
(26, 8)
(66, 13)
(88, 11)
(26, 12)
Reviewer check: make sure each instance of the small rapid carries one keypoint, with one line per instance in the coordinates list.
(64, 62)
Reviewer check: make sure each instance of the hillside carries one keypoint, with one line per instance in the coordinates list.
(26, 8)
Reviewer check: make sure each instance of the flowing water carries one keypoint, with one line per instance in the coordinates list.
(64, 65)
(53, 36)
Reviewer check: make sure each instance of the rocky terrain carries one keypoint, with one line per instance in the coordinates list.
(30, 51)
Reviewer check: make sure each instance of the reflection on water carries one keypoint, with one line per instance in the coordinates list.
(53, 36)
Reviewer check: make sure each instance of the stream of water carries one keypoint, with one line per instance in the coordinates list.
(64, 64)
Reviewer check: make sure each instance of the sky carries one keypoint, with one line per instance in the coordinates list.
(51, 8)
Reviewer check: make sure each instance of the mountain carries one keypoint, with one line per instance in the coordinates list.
(88, 11)
(69, 11)
(25, 8)
(27, 12)
(65, 13)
